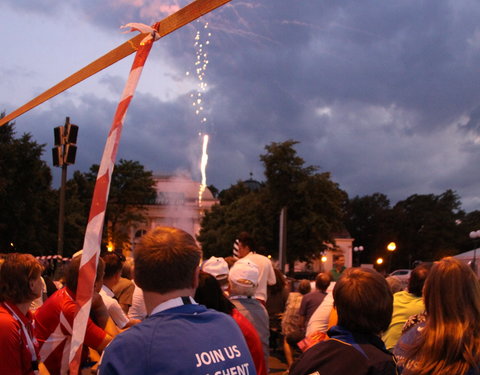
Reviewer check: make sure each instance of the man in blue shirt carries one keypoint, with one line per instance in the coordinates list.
(178, 337)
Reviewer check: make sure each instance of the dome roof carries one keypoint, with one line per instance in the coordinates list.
(252, 185)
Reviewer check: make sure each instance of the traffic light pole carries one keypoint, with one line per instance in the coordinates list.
(61, 211)
(63, 154)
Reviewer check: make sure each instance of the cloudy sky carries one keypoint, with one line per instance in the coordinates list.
(383, 94)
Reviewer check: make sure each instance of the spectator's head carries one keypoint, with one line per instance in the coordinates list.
(72, 270)
(218, 268)
(304, 286)
(338, 260)
(395, 284)
(322, 281)
(113, 265)
(363, 301)
(418, 277)
(243, 278)
(246, 244)
(452, 293)
(167, 259)
(210, 294)
(20, 280)
(127, 269)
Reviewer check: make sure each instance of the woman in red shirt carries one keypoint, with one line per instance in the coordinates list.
(20, 284)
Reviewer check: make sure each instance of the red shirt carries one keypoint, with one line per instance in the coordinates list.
(53, 329)
(253, 341)
(15, 355)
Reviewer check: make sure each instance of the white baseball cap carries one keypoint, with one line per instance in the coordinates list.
(216, 267)
(244, 272)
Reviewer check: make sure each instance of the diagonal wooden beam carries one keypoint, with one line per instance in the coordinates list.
(173, 22)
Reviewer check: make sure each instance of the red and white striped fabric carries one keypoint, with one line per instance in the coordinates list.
(93, 234)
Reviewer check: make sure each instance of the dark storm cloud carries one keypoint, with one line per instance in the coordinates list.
(382, 94)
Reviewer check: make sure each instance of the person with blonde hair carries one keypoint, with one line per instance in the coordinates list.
(448, 342)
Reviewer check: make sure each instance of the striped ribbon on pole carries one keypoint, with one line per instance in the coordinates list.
(236, 251)
(168, 25)
(93, 234)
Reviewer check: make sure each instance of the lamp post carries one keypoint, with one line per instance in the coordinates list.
(357, 250)
(391, 247)
(474, 235)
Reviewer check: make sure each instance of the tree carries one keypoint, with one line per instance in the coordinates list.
(314, 204)
(467, 224)
(369, 220)
(249, 212)
(132, 187)
(28, 216)
(78, 197)
(427, 227)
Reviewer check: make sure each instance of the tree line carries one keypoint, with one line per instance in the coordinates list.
(29, 204)
(425, 227)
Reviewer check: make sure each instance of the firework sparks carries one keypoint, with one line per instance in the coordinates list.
(201, 43)
(203, 168)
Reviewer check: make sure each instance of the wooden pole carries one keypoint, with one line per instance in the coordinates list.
(173, 22)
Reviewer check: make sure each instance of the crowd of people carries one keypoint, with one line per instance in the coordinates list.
(172, 312)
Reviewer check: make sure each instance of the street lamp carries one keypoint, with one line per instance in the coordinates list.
(474, 235)
(379, 261)
(391, 247)
(357, 251)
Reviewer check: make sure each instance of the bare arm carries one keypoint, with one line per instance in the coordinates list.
(99, 312)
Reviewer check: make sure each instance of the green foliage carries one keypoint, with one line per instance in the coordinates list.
(28, 206)
(314, 208)
(78, 197)
(427, 226)
(221, 226)
(424, 227)
(132, 187)
(370, 220)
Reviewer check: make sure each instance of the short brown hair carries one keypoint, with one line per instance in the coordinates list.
(322, 281)
(71, 274)
(166, 260)
(418, 277)
(113, 264)
(16, 272)
(363, 301)
(247, 240)
(304, 286)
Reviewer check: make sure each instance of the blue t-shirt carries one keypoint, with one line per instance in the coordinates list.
(184, 340)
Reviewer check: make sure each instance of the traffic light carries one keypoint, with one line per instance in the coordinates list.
(65, 148)
(57, 155)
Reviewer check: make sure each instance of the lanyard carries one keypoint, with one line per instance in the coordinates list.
(28, 337)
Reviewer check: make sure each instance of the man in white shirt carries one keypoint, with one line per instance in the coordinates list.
(319, 319)
(266, 274)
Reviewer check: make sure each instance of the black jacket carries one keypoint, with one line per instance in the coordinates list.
(346, 353)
